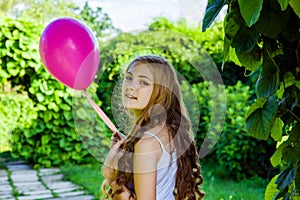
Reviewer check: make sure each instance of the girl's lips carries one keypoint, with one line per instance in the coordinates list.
(130, 96)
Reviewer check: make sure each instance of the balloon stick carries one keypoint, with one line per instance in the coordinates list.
(101, 114)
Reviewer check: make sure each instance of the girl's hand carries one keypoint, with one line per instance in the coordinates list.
(116, 137)
(111, 162)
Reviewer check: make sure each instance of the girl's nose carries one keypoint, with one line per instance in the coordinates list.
(133, 86)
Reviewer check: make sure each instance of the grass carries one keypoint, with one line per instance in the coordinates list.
(216, 188)
(88, 176)
(221, 189)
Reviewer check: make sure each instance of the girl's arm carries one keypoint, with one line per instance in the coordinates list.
(110, 164)
(146, 155)
(109, 172)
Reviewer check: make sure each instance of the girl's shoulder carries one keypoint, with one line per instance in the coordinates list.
(147, 143)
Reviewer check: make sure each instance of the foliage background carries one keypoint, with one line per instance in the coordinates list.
(60, 126)
(265, 37)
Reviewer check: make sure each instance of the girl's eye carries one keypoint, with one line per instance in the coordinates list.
(128, 78)
(144, 83)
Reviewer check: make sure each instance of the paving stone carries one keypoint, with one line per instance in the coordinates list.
(24, 171)
(5, 188)
(6, 196)
(70, 194)
(3, 172)
(42, 196)
(18, 162)
(48, 171)
(83, 197)
(52, 178)
(60, 185)
(26, 188)
(65, 190)
(37, 192)
(24, 177)
(29, 187)
(6, 192)
(17, 167)
(28, 184)
(4, 180)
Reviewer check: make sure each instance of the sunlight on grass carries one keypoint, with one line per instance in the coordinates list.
(217, 188)
(88, 176)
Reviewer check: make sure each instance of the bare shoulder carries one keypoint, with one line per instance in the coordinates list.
(147, 144)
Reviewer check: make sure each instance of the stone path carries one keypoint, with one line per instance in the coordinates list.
(20, 182)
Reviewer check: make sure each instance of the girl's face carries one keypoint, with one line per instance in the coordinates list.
(137, 87)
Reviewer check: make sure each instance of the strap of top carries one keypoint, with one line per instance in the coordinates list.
(161, 144)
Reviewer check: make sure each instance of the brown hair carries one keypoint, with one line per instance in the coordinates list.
(166, 93)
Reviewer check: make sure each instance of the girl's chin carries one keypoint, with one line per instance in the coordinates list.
(132, 107)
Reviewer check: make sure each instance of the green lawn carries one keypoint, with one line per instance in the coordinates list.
(89, 176)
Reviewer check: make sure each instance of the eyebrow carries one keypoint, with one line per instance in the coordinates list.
(140, 76)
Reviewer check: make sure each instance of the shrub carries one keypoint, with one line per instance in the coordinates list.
(17, 110)
(51, 139)
(236, 154)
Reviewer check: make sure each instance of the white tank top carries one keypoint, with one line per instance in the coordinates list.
(166, 173)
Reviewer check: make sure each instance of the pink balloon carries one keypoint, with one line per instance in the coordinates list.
(70, 52)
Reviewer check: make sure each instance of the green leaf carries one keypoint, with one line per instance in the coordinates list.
(62, 143)
(276, 132)
(286, 177)
(68, 115)
(53, 106)
(245, 40)
(277, 155)
(282, 193)
(288, 80)
(250, 10)
(4, 74)
(12, 68)
(272, 20)
(26, 55)
(291, 153)
(268, 81)
(231, 25)
(271, 189)
(76, 155)
(297, 180)
(40, 97)
(284, 4)
(45, 139)
(78, 147)
(258, 104)
(296, 6)
(260, 121)
(251, 61)
(41, 107)
(65, 106)
(47, 116)
(297, 84)
(212, 10)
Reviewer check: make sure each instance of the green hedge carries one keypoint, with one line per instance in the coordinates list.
(17, 110)
(236, 154)
(50, 139)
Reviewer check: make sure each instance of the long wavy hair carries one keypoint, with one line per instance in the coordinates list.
(166, 93)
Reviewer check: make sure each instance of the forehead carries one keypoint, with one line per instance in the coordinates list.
(139, 69)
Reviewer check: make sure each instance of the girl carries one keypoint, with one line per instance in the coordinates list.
(158, 159)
